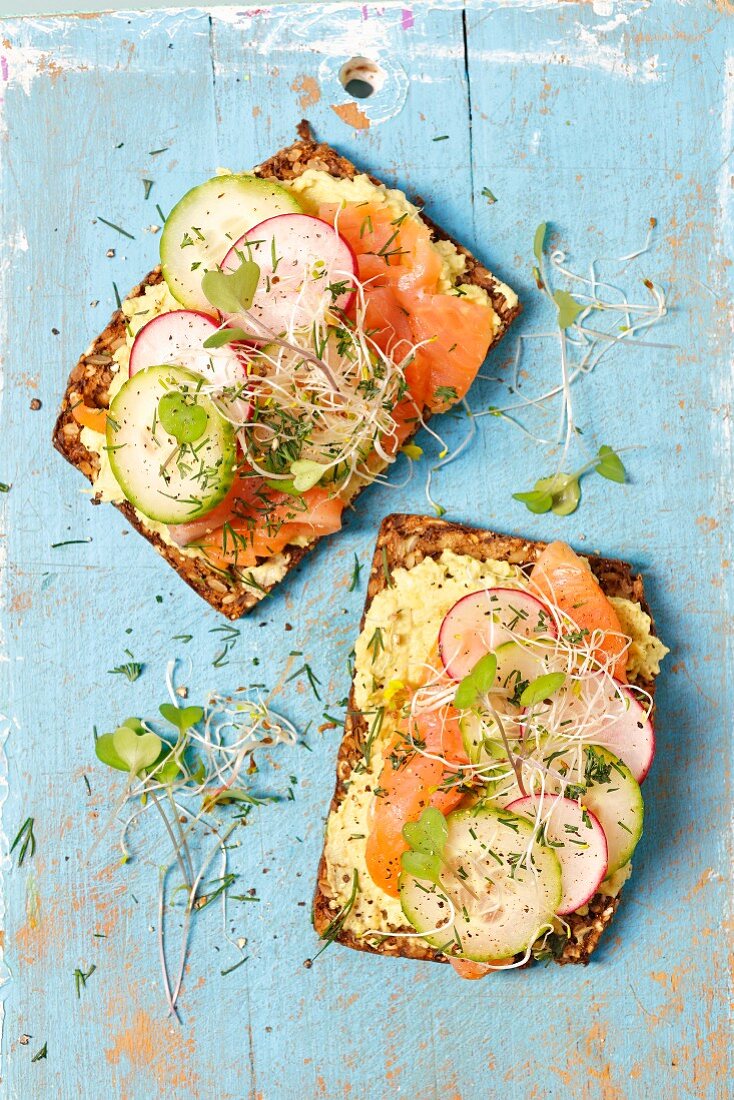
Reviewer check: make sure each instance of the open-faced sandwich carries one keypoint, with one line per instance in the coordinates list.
(488, 799)
(305, 321)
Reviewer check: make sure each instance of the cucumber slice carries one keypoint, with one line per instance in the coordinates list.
(614, 797)
(500, 905)
(205, 223)
(165, 479)
(519, 663)
(481, 737)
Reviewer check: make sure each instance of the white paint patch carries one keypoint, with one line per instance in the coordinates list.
(584, 51)
(25, 64)
(15, 242)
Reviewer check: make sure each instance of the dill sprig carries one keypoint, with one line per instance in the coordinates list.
(26, 839)
(335, 926)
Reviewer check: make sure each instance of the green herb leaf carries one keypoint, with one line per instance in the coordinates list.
(610, 465)
(131, 671)
(136, 750)
(182, 417)
(568, 308)
(535, 501)
(232, 292)
(26, 840)
(306, 474)
(183, 718)
(335, 926)
(427, 839)
(477, 683)
(564, 490)
(105, 751)
(539, 241)
(421, 866)
(42, 1052)
(542, 688)
(429, 833)
(224, 336)
(357, 569)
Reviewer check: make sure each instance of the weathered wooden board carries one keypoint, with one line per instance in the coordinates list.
(594, 117)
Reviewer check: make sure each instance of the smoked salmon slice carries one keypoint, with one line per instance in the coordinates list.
(566, 580)
(455, 335)
(408, 783)
(254, 521)
(400, 268)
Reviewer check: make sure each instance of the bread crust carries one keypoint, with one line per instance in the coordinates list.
(90, 380)
(404, 541)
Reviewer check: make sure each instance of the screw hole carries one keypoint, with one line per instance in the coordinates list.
(360, 78)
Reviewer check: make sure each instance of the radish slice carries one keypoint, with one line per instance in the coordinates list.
(300, 259)
(614, 719)
(578, 841)
(483, 620)
(177, 337)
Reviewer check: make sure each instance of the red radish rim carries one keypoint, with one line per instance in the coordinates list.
(627, 690)
(533, 798)
(552, 632)
(153, 320)
(313, 218)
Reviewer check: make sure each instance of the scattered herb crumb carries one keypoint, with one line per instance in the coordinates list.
(25, 840)
(132, 670)
(40, 1053)
(117, 228)
(81, 977)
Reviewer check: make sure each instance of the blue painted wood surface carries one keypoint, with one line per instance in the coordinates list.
(594, 117)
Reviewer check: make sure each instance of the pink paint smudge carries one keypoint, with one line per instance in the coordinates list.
(407, 19)
(4, 67)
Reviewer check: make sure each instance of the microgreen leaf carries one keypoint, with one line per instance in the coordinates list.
(136, 750)
(477, 683)
(564, 490)
(224, 336)
(182, 417)
(429, 833)
(427, 839)
(610, 465)
(542, 688)
(568, 308)
(535, 501)
(539, 241)
(105, 750)
(183, 718)
(306, 474)
(421, 866)
(232, 292)
(170, 770)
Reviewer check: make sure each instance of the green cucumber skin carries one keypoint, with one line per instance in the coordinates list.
(165, 511)
(505, 949)
(198, 206)
(621, 845)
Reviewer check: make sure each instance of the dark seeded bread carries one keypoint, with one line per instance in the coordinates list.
(90, 380)
(403, 542)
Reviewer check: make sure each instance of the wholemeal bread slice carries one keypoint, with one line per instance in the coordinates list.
(403, 542)
(90, 379)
